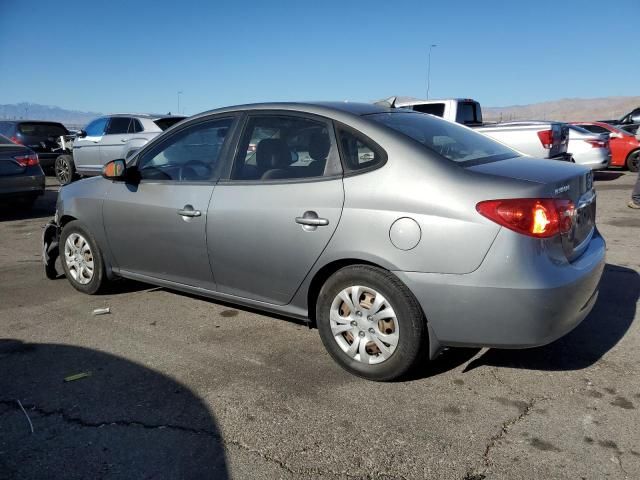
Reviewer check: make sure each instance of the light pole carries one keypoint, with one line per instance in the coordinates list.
(179, 93)
(429, 70)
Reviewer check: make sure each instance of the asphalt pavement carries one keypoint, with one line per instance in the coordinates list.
(173, 386)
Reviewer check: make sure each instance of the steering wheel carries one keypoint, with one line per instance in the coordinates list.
(194, 170)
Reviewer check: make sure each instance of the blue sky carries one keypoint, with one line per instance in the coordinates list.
(136, 55)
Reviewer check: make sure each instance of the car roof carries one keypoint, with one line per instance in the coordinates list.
(150, 116)
(321, 108)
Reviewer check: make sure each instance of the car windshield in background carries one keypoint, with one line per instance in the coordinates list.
(34, 129)
(450, 140)
(167, 122)
(5, 141)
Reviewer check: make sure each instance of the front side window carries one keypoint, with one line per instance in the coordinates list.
(275, 147)
(118, 125)
(190, 155)
(96, 128)
(451, 141)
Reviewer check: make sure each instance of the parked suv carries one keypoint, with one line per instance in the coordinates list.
(109, 138)
(41, 137)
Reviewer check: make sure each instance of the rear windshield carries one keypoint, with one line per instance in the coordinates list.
(5, 141)
(468, 113)
(452, 141)
(436, 109)
(34, 129)
(165, 123)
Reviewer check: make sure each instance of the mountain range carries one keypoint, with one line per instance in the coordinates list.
(566, 109)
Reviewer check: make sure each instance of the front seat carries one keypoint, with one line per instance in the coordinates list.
(272, 158)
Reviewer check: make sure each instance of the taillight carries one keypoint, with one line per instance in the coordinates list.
(29, 160)
(598, 143)
(16, 140)
(546, 138)
(536, 217)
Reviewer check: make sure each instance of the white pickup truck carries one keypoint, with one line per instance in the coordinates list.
(538, 139)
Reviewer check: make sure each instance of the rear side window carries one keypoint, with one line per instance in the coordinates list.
(436, 109)
(34, 129)
(135, 126)
(96, 128)
(118, 125)
(280, 147)
(451, 141)
(358, 152)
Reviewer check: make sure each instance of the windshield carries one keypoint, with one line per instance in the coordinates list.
(33, 129)
(452, 141)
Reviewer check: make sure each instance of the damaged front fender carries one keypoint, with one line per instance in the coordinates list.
(50, 248)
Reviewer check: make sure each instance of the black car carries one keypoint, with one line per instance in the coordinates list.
(41, 137)
(629, 122)
(21, 177)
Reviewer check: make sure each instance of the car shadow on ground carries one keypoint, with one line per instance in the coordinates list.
(607, 175)
(44, 207)
(605, 326)
(124, 420)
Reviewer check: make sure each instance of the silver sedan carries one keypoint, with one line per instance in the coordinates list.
(394, 232)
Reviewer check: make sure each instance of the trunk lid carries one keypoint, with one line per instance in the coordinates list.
(8, 165)
(557, 180)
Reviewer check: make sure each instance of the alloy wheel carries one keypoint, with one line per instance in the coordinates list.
(63, 171)
(364, 324)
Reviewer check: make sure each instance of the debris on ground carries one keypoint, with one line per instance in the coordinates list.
(77, 376)
(102, 311)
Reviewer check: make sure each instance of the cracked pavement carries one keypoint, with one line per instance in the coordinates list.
(183, 387)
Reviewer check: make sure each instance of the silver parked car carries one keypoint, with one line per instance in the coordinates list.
(589, 149)
(395, 232)
(108, 138)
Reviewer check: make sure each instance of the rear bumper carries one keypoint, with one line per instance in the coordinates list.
(22, 185)
(48, 159)
(594, 161)
(508, 303)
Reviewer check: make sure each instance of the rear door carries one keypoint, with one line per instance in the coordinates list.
(86, 150)
(115, 137)
(271, 220)
(156, 228)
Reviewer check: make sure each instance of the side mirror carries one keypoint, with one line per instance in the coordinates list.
(81, 134)
(615, 135)
(114, 170)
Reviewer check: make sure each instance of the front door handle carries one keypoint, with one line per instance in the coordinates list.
(189, 211)
(124, 139)
(310, 221)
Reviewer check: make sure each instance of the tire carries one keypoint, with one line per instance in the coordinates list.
(404, 324)
(74, 260)
(65, 169)
(633, 161)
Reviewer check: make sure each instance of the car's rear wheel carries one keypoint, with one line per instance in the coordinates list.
(633, 161)
(81, 258)
(65, 169)
(370, 323)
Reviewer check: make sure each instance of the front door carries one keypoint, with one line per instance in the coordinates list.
(114, 139)
(271, 220)
(157, 227)
(86, 150)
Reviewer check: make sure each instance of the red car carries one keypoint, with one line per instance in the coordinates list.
(625, 149)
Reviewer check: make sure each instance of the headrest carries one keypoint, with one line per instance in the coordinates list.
(272, 153)
(319, 146)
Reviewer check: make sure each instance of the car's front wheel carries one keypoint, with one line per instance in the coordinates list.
(65, 169)
(633, 161)
(81, 258)
(370, 323)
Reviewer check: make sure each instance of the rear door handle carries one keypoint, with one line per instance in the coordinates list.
(310, 221)
(189, 211)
